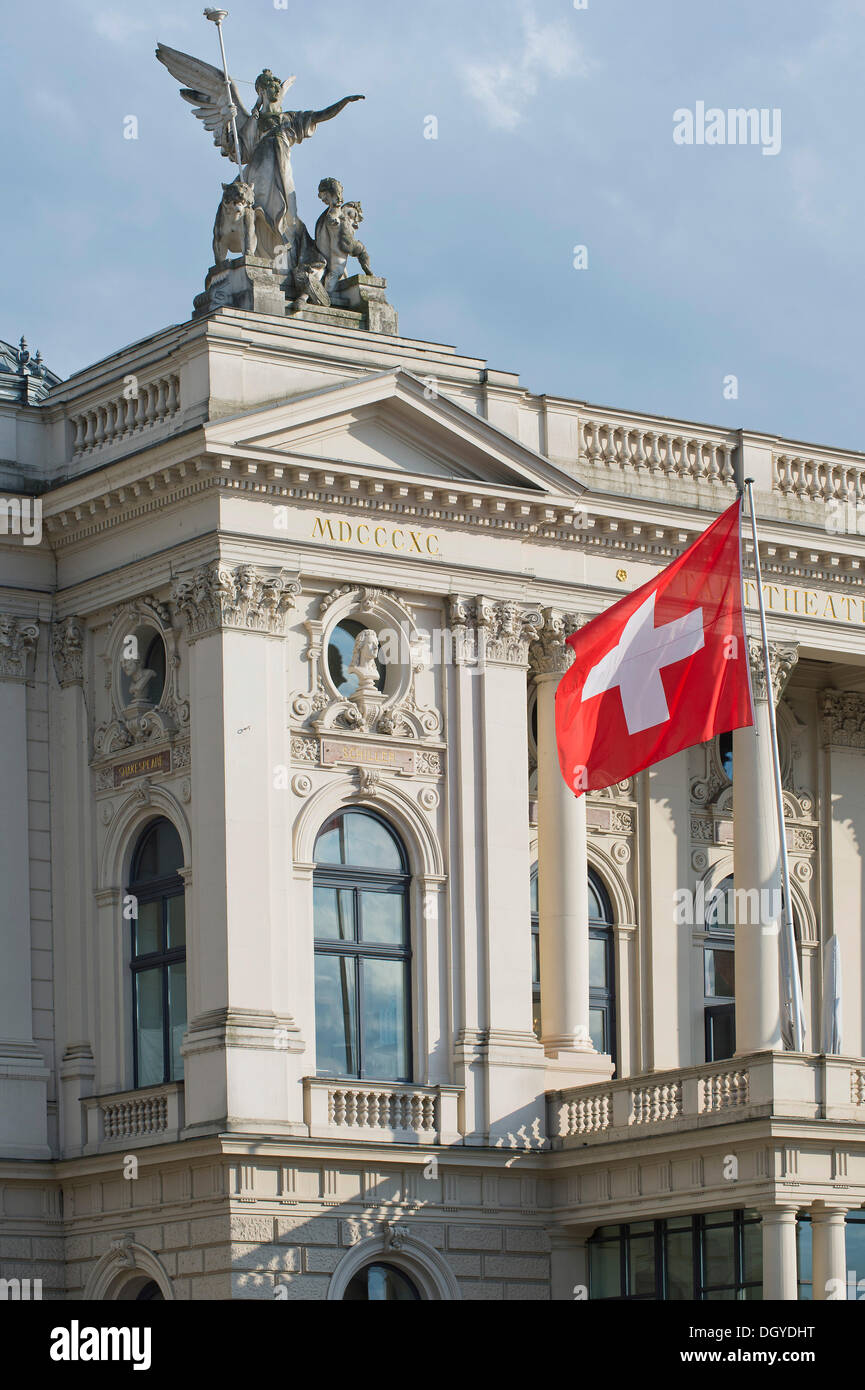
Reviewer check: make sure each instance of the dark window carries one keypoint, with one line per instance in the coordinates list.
(158, 959)
(362, 950)
(381, 1284)
(725, 753)
(711, 1257)
(602, 970)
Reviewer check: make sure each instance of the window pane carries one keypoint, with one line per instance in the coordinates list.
(335, 1015)
(718, 1266)
(534, 894)
(177, 1015)
(148, 1022)
(382, 918)
(340, 647)
(328, 846)
(720, 1032)
(160, 853)
(719, 1218)
(642, 1265)
(385, 1036)
(720, 974)
(370, 845)
(605, 1270)
(596, 907)
(680, 1265)
(380, 1284)
(597, 963)
(855, 1238)
(334, 914)
(536, 959)
(598, 1029)
(148, 928)
(752, 1252)
(176, 911)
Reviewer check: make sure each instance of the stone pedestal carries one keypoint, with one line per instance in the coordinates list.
(366, 294)
(757, 864)
(246, 283)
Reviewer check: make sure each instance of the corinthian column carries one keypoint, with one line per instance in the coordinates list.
(563, 879)
(757, 861)
(23, 1074)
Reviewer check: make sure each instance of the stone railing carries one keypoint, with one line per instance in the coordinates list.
(125, 415)
(154, 1115)
(783, 1085)
(819, 479)
(391, 1113)
(623, 446)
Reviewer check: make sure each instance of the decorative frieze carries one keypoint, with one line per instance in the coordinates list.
(492, 632)
(783, 657)
(217, 597)
(843, 718)
(67, 649)
(18, 639)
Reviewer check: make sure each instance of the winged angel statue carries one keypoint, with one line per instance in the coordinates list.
(265, 139)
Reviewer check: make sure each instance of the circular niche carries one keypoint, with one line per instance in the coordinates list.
(340, 648)
(142, 667)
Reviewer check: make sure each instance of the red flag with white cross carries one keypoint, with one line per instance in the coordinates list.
(664, 668)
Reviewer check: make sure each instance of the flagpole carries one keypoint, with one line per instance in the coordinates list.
(787, 927)
(216, 17)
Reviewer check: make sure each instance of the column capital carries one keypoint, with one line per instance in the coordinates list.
(549, 654)
(67, 649)
(18, 639)
(242, 598)
(831, 1213)
(494, 631)
(781, 1213)
(783, 657)
(842, 714)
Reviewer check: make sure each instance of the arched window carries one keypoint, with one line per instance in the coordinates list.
(719, 961)
(158, 961)
(381, 1283)
(362, 950)
(602, 968)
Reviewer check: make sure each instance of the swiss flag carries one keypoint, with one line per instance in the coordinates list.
(664, 668)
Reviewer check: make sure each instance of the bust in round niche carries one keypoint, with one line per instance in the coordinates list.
(354, 659)
(142, 668)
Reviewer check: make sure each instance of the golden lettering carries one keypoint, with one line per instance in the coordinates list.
(360, 540)
(395, 534)
(383, 530)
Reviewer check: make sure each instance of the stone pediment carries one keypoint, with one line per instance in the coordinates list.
(391, 423)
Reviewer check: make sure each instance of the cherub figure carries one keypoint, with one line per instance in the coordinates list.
(335, 234)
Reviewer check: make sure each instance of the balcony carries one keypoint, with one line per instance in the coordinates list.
(150, 1116)
(775, 1085)
(396, 1114)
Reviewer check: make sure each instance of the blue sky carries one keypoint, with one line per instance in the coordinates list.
(555, 129)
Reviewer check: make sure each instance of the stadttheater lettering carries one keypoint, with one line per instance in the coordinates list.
(399, 539)
(807, 603)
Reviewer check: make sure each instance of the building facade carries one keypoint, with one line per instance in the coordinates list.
(318, 982)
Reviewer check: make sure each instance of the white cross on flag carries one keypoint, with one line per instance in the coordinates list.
(661, 670)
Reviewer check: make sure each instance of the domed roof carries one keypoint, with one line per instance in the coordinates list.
(23, 375)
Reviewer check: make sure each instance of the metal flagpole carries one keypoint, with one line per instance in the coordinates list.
(216, 17)
(792, 987)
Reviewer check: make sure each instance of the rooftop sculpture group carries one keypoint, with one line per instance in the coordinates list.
(280, 267)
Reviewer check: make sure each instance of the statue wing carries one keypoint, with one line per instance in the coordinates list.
(204, 89)
(288, 83)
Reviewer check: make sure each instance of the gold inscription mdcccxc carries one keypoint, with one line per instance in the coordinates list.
(401, 539)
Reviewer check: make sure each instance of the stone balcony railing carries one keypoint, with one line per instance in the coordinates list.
(150, 1116)
(777, 1085)
(386, 1113)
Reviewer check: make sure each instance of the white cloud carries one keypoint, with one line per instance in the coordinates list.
(505, 88)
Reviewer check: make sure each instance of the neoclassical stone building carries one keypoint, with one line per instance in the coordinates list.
(303, 934)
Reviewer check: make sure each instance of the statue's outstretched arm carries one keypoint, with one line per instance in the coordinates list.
(330, 111)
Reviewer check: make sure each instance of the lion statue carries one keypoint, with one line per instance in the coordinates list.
(234, 228)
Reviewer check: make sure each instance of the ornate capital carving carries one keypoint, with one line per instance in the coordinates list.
(783, 657)
(218, 597)
(492, 631)
(18, 638)
(843, 718)
(67, 649)
(549, 654)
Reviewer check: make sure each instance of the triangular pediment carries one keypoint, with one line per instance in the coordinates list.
(391, 423)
